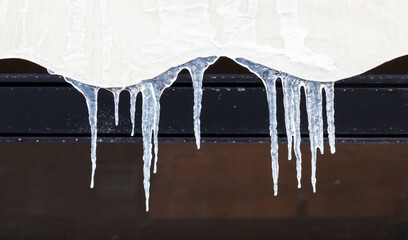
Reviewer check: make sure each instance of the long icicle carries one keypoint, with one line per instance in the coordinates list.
(91, 95)
(268, 77)
(288, 103)
(159, 84)
(158, 90)
(315, 121)
(273, 132)
(151, 92)
(291, 92)
(197, 69)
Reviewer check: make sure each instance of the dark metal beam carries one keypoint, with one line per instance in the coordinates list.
(371, 108)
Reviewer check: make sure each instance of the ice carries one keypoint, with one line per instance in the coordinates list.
(158, 85)
(291, 87)
(197, 69)
(148, 114)
(133, 90)
(268, 77)
(329, 90)
(116, 96)
(91, 95)
(152, 90)
(151, 93)
(315, 122)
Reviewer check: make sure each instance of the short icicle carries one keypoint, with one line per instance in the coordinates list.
(269, 77)
(197, 69)
(91, 95)
(329, 90)
(291, 99)
(134, 91)
(116, 96)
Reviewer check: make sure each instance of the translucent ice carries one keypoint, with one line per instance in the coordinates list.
(151, 93)
(148, 119)
(268, 77)
(197, 69)
(291, 99)
(152, 90)
(133, 90)
(291, 90)
(116, 96)
(329, 90)
(91, 95)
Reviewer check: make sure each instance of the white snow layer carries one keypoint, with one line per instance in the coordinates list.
(103, 43)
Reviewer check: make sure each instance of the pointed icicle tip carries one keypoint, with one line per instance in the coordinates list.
(116, 97)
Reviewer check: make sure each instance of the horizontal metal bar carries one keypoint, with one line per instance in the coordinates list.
(184, 77)
(233, 110)
(190, 139)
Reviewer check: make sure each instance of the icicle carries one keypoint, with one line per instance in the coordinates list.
(116, 96)
(152, 91)
(329, 90)
(148, 110)
(153, 88)
(197, 69)
(159, 84)
(91, 96)
(158, 89)
(270, 82)
(315, 122)
(291, 98)
(134, 91)
(268, 77)
(291, 90)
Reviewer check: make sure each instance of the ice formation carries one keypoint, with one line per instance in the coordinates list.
(291, 90)
(152, 89)
(91, 95)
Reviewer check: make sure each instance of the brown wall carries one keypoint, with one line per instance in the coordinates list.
(223, 191)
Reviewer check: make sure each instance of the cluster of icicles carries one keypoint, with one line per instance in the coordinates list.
(152, 89)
